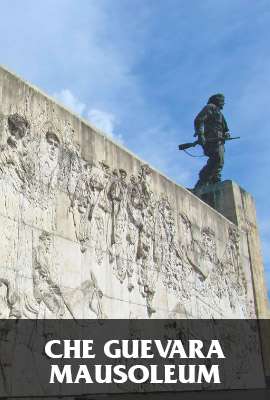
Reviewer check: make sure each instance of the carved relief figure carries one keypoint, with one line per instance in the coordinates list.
(167, 255)
(49, 164)
(117, 194)
(99, 211)
(53, 302)
(231, 269)
(9, 299)
(141, 212)
(208, 251)
(190, 254)
(13, 160)
(81, 207)
(186, 240)
(86, 300)
(74, 169)
(46, 290)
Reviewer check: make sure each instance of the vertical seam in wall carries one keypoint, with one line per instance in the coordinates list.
(249, 254)
(235, 207)
(264, 362)
(252, 277)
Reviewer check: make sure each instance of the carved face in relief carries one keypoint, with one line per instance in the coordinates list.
(144, 172)
(83, 206)
(133, 180)
(46, 240)
(18, 127)
(123, 174)
(53, 145)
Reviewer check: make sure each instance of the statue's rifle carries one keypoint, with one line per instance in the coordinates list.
(186, 146)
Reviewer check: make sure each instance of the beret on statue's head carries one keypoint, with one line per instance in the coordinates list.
(216, 99)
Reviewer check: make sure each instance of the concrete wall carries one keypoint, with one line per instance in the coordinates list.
(89, 231)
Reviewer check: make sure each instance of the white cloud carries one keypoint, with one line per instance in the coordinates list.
(104, 121)
(66, 97)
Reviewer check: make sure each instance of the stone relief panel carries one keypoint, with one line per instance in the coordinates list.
(117, 219)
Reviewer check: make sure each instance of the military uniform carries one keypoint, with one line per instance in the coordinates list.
(210, 125)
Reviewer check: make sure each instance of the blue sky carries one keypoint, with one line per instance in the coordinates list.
(142, 69)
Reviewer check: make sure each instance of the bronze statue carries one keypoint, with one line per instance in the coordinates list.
(211, 124)
(212, 131)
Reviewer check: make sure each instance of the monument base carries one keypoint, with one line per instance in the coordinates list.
(238, 206)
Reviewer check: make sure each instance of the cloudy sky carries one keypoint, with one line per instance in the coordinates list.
(141, 70)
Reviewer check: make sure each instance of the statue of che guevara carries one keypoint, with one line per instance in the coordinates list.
(212, 130)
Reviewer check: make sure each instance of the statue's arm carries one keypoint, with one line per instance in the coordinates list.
(226, 131)
(199, 122)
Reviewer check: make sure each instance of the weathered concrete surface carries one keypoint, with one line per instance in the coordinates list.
(89, 231)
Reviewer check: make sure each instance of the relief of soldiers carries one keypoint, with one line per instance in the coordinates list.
(212, 130)
(87, 207)
(117, 241)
